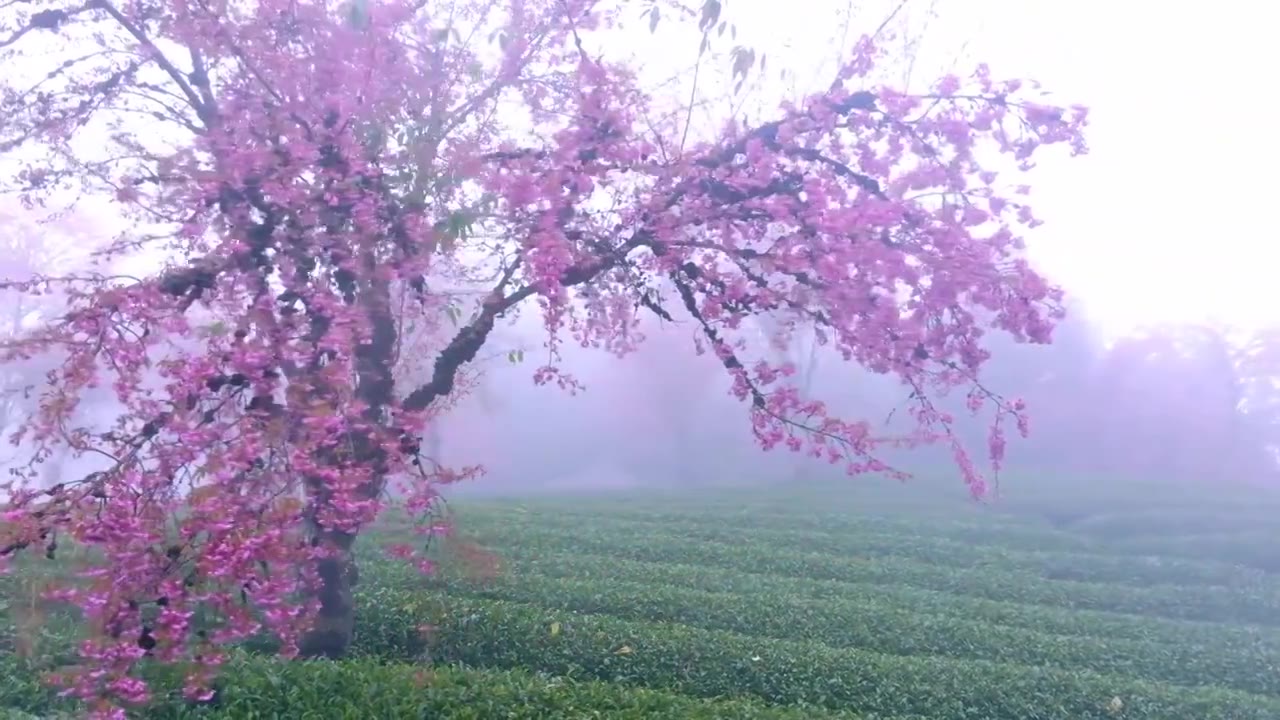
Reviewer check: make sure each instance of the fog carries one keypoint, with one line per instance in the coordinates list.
(1179, 403)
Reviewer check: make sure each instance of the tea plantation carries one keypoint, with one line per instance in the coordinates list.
(803, 605)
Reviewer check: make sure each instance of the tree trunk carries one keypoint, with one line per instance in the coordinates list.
(334, 627)
(331, 635)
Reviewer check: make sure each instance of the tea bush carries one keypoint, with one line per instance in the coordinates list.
(1249, 604)
(638, 610)
(709, 663)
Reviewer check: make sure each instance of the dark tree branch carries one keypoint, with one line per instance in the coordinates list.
(204, 112)
(51, 20)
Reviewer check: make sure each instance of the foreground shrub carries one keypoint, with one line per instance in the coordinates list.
(885, 628)
(714, 664)
(257, 687)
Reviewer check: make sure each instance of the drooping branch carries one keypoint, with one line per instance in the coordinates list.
(463, 348)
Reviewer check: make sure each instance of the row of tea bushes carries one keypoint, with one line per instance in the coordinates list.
(711, 664)
(1239, 605)
(21, 691)
(1179, 520)
(526, 562)
(1091, 566)
(1106, 512)
(977, 531)
(253, 688)
(1234, 530)
(884, 627)
(1251, 548)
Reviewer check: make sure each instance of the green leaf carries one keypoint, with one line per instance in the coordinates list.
(358, 14)
(743, 59)
(710, 15)
(217, 328)
(457, 226)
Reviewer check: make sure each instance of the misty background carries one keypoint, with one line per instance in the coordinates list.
(1166, 371)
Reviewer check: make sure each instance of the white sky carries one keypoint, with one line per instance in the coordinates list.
(1165, 220)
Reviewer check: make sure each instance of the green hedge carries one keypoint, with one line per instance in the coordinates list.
(984, 531)
(1056, 621)
(1238, 605)
(1086, 566)
(1242, 540)
(705, 663)
(262, 688)
(1175, 521)
(1030, 498)
(886, 628)
(21, 690)
(1251, 548)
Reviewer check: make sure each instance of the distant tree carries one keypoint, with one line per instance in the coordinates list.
(1177, 407)
(1258, 364)
(302, 163)
(667, 390)
(1178, 401)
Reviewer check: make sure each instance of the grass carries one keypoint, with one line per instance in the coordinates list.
(802, 602)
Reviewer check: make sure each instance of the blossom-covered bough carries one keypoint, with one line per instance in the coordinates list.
(307, 163)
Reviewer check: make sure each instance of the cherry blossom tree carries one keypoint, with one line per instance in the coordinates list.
(298, 162)
(1185, 401)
